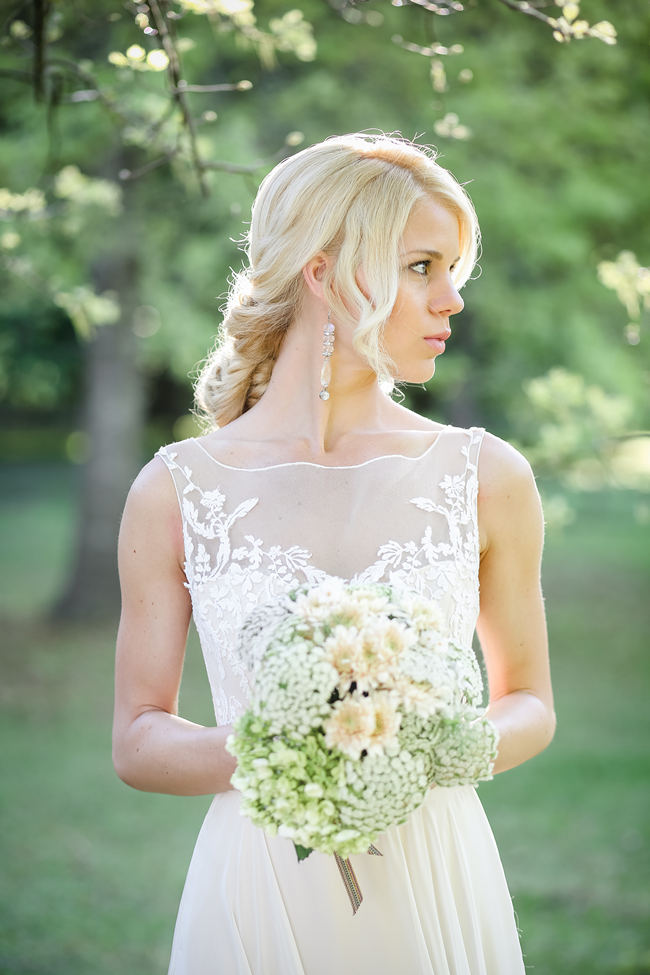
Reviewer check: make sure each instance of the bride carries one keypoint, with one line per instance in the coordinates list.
(357, 250)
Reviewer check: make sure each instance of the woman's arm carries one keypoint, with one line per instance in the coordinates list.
(153, 748)
(512, 625)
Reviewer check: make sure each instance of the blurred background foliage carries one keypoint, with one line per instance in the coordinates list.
(123, 193)
(133, 141)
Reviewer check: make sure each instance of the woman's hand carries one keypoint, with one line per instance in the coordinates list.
(153, 748)
(512, 624)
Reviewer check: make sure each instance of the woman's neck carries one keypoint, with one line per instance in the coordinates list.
(291, 408)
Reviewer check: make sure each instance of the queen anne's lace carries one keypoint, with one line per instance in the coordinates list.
(418, 526)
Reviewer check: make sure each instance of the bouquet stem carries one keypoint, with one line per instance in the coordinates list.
(349, 878)
(346, 870)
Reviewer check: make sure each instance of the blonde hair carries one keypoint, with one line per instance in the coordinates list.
(349, 196)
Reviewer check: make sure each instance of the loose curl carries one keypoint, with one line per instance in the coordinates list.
(349, 196)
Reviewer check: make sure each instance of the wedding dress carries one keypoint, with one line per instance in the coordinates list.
(436, 901)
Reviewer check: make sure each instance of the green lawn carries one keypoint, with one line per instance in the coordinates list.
(92, 871)
(572, 824)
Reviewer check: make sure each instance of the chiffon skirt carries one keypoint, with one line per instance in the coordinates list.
(435, 903)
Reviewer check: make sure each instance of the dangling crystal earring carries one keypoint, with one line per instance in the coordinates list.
(326, 370)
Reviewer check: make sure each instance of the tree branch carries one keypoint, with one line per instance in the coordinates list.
(159, 9)
(228, 167)
(440, 7)
(130, 174)
(86, 77)
(523, 7)
(432, 51)
(41, 9)
(184, 87)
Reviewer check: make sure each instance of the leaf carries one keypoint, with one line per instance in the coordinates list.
(571, 11)
(242, 509)
(302, 852)
(425, 504)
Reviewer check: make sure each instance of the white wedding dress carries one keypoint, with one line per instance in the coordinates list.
(436, 901)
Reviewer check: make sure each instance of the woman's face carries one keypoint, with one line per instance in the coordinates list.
(418, 326)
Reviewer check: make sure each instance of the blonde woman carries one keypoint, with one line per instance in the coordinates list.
(357, 250)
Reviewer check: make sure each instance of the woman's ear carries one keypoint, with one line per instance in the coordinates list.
(314, 273)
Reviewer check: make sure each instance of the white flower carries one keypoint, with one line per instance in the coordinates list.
(376, 656)
(387, 722)
(371, 599)
(350, 612)
(313, 790)
(423, 613)
(350, 726)
(345, 835)
(342, 648)
(332, 771)
(417, 697)
(320, 601)
(293, 686)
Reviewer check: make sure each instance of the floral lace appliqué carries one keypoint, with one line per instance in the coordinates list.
(228, 583)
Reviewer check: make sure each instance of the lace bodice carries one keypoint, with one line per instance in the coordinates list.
(251, 534)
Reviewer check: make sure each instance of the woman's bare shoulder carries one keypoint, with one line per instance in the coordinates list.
(153, 483)
(152, 508)
(508, 499)
(501, 464)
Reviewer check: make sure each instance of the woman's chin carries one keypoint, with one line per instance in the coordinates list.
(420, 374)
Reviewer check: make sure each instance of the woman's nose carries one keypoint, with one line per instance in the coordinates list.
(458, 303)
(448, 302)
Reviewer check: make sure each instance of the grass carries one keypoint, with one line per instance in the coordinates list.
(572, 824)
(92, 871)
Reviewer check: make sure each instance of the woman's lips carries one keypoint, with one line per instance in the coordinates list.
(436, 343)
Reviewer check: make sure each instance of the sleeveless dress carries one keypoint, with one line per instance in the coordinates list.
(436, 901)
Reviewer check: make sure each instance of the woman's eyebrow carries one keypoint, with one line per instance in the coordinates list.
(425, 250)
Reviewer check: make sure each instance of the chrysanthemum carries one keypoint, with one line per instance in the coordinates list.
(387, 722)
(342, 648)
(380, 644)
(396, 636)
(417, 698)
(320, 601)
(372, 600)
(350, 612)
(350, 726)
(424, 613)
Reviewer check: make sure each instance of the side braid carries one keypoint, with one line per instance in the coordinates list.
(237, 371)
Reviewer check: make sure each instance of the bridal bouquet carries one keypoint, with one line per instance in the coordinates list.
(360, 704)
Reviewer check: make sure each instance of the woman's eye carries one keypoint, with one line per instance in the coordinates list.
(421, 267)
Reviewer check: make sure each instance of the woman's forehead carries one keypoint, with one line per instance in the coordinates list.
(431, 227)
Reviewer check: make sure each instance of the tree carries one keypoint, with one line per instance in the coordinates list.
(100, 277)
(120, 109)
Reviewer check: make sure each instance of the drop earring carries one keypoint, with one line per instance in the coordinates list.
(326, 370)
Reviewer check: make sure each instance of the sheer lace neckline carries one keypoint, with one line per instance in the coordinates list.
(326, 467)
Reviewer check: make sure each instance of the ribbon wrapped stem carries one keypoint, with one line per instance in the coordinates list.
(349, 878)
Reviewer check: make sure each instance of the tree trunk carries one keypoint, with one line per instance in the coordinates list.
(114, 417)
